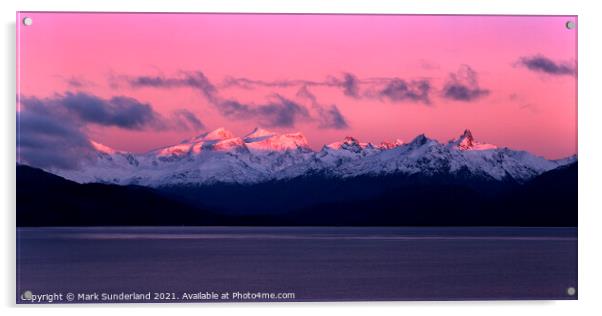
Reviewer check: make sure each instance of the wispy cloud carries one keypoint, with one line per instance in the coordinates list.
(393, 89)
(186, 120)
(328, 116)
(278, 112)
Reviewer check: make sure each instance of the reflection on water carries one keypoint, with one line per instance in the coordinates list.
(316, 263)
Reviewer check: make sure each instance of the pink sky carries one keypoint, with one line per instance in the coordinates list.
(524, 109)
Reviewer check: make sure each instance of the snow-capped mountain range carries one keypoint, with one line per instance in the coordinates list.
(222, 157)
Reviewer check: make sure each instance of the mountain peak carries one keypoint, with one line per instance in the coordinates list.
(286, 156)
(218, 134)
(350, 140)
(467, 142)
(258, 134)
(467, 134)
(350, 144)
(419, 140)
(346, 143)
(264, 140)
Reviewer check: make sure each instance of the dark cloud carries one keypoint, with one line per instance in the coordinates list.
(278, 112)
(463, 86)
(52, 132)
(119, 111)
(50, 141)
(399, 90)
(540, 63)
(196, 80)
(350, 85)
(460, 92)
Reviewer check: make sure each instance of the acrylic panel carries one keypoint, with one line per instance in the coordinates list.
(191, 157)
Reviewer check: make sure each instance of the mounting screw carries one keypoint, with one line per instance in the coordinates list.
(571, 291)
(570, 25)
(27, 21)
(26, 296)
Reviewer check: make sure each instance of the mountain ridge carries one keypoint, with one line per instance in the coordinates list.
(220, 156)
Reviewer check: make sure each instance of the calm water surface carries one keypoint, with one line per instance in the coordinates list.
(316, 264)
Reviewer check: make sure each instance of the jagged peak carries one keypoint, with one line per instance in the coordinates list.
(347, 142)
(466, 141)
(467, 135)
(350, 140)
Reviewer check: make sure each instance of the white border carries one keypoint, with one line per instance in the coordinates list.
(590, 144)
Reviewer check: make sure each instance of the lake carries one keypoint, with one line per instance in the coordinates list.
(211, 264)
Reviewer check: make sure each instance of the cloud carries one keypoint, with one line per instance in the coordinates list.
(331, 117)
(305, 93)
(540, 63)
(394, 89)
(247, 83)
(350, 85)
(399, 90)
(78, 83)
(283, 112)
(328, 116)
(186, 120)
(119, 111)
(46, 140)
(278, 112)
(196, 80)
(463, 86)
(53, 131)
